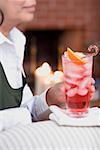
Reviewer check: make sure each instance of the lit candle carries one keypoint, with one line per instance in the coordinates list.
(45, 78)
(42, 78)
(48, 82)
(58, 76)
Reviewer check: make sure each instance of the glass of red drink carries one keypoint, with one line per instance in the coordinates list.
(77, 77)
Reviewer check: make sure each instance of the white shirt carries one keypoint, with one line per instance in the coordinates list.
(11, 58)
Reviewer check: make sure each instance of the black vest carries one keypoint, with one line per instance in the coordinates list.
(9, 97)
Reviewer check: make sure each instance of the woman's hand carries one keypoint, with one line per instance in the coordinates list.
(91, 88)
(56, 95)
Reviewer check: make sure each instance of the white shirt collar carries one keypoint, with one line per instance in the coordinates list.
(4, 39)
(15, 37)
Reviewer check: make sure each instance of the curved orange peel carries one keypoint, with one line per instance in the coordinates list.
(74, 57)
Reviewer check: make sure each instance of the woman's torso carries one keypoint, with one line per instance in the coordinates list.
(11, 79)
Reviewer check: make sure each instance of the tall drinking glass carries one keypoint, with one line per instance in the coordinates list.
(76, 79)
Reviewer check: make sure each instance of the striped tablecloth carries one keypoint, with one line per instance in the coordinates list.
(47, 135)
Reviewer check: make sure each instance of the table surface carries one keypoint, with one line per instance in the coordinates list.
(47, 135)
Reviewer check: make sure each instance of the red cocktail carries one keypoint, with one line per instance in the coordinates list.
(77, 68)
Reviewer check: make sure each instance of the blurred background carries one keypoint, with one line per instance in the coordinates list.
(75, 23)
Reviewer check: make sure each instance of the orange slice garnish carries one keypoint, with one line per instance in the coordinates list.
(74, 57)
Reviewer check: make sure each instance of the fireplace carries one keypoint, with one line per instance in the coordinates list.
(47, 46)
(42, 46)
